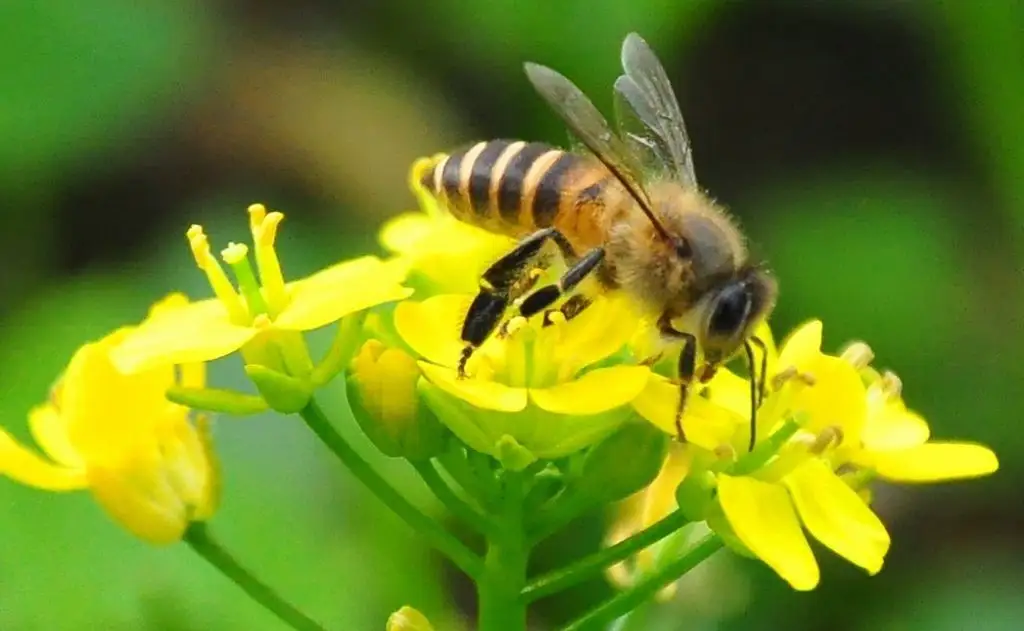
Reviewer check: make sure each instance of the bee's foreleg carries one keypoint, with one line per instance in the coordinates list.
(499, 284)
(687, 365)
(546, 296)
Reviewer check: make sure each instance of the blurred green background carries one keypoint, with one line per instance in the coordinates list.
(874, 152)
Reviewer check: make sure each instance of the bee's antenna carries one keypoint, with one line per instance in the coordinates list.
(757, 383)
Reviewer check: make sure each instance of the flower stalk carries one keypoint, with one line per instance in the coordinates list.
(632, 598)
(439, 538)
(202, 543)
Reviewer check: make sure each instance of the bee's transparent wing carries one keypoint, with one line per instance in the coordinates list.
(589, 126)
(648, 112)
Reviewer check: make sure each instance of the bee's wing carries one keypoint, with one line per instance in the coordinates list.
(648, 113)
(589, 126)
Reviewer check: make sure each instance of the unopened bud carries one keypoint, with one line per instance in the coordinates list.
(696, 494)
(383, 394)
(408, 619)
(623, 463)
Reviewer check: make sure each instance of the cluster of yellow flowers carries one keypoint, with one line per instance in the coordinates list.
(128, 418)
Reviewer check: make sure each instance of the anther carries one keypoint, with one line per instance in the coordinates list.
(725, 452)
(791, 373)
(858, 354)
(892, 385)
(831, 436)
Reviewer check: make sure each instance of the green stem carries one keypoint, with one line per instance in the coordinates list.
(500, 608)
(566, 508)
(452, 502)
(199, 539)
(564, 578)
(483, 490)
(630, 599)
(438, 537)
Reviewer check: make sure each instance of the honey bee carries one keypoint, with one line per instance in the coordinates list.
(626, 211)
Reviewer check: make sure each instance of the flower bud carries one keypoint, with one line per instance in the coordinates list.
(623, 463)
(408, 619)
(696, 494)
(283, 393)
(383, 394)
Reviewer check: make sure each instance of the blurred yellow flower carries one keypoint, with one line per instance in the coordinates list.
(117, 435)
(846, 421)
(444, 255)
(263, 316)
(535, 393)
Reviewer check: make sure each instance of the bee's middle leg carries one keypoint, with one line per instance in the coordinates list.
(508, 278)
(546, 296)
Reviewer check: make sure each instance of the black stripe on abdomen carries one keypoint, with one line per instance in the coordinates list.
(481, 175)
(510, 186)
(549, 191)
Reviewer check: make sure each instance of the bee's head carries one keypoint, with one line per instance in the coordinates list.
(730, 311)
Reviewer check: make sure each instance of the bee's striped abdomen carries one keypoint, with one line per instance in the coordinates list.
(515, 187)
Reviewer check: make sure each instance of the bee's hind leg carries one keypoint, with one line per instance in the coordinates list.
(512, 275)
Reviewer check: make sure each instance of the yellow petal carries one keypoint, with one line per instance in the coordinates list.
(432, 327)
(935, 461)
(595, 392)
(199, 332)
(763, 518)
(730, 391)
(107, 411)
(594, 334)
(659, 499)
(51, 434)
(837, 516)
(337, 291)
(837, 398)
(488, 395)
(26, 467)
(706, 425)
(801, 345)
(889, 425)
(401, 234)
(137, 496)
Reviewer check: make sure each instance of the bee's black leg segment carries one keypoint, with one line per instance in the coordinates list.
(481, 320)
(569, 309)
(687, 365)
(762, 378)
(755, 385)
(546, 296)
(507, 271)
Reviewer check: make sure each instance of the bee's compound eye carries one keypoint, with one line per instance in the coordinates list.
(731, 311)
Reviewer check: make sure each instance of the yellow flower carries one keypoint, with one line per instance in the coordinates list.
(117, 435)
(843, 424)
(533, 394)
(263, 316)
(444, 254)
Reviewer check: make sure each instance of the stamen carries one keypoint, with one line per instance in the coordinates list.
(236, 255)
(726, 452)
(831, 436)
(264, 234)
(222, 287)
(892, 385)
(858, 354)
(790, 373)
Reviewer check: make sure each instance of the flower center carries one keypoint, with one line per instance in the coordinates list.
(260, 290)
